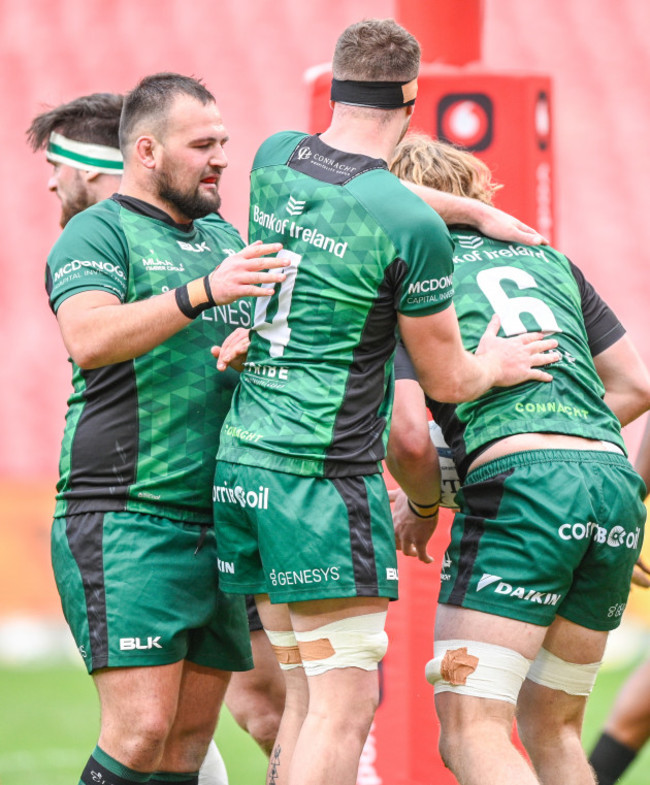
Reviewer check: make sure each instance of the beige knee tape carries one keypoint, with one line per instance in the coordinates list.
(557, 674)
(355, 642)
(480, 670)
(285, 648)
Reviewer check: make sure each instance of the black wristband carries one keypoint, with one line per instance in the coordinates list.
(195, 297)
(415, 512)
(426, 506)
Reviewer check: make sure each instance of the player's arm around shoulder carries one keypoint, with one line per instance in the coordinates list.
(488, 219)
(429, 326)
(406, 218)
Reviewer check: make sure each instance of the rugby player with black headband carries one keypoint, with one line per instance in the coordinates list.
(305, 435)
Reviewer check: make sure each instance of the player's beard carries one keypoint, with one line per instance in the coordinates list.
(74, 203)
(192, 204)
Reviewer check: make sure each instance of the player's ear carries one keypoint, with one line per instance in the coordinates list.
(90, 176)
(146, 151)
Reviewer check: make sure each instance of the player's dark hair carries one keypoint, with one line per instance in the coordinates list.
(151, 98)
(91, 118)
(376, 50)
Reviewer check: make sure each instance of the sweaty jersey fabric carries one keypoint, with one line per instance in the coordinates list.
(142, 435)
(530, 289)
(315, 396)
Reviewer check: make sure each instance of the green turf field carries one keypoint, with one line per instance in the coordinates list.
(48, 726)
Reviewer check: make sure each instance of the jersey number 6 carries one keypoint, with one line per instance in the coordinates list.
(509, 309)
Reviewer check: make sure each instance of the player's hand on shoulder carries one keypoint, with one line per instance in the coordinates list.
(518, 358)
(241, 274)
(503, 226)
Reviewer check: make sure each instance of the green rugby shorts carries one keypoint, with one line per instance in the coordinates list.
(303, 538)
(140, 590)
(546, 533)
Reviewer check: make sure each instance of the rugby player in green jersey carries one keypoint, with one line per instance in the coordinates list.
(139, 289)
(302, 511)
(551, 511)
(81, 140)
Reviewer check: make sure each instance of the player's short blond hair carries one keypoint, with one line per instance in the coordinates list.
(424, 161)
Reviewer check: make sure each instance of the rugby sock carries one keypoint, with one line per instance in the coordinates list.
(212, 772)
(610, 758)
(102, 768)
(213, 769)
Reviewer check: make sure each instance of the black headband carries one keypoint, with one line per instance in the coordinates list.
(381, 95)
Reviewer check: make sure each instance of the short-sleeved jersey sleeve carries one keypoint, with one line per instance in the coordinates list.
(603, 326)
(89, 255)
(428, 284)
(421, 241)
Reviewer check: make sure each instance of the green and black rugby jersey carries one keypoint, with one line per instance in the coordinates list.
(142, 435)
(316, 393)
(530, 288)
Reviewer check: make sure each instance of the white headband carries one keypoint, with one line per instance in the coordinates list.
(84, 155)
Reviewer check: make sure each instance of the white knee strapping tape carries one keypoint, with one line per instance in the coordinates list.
(285, 647)
(558, 674)
(355, 642)
(480, 670)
